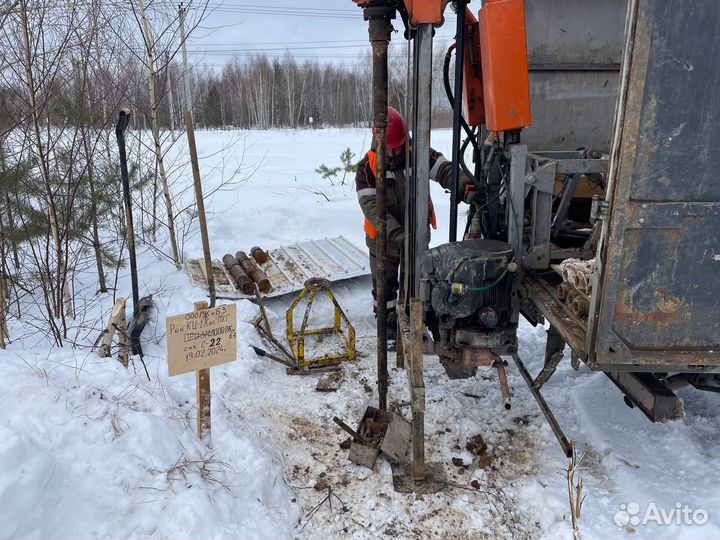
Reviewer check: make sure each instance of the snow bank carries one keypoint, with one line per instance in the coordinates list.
(91, 450)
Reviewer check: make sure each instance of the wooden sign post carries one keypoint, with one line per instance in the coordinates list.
(196, 341)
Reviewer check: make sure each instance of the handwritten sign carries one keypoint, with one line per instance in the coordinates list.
(201, 339)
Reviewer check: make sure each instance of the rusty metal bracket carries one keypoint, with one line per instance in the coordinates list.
(544, 408)
(658, 402)
(262, 325)
(504, 387)
(554, 351)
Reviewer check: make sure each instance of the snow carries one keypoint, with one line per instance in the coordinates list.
(92, 450)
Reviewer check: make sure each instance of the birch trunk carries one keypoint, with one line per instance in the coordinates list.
(149, 49)
(93, 216)
(171, 103)
(60, 270)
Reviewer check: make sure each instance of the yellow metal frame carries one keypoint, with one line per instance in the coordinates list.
(296, 338)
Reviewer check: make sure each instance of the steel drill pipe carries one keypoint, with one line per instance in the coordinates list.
(251, 269)
(562, 291)
(580, 306)
(379, 28)
(260, 255)
(243, 281)
(229, 261)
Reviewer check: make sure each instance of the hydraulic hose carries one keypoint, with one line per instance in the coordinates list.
(471, 138)
(451, 98)
(457, 117)
(465, 168)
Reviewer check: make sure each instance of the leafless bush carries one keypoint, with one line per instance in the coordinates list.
(576, 497)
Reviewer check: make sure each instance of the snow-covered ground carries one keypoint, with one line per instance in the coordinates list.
(91, 450)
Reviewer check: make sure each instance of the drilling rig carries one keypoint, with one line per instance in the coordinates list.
(594, 129)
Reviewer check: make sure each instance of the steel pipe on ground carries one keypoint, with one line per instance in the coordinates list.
(260, 255)
(243, 281)
(252, 270)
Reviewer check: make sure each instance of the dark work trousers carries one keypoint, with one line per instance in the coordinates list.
(392, 268)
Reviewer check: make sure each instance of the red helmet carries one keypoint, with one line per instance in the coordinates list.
(396, 133)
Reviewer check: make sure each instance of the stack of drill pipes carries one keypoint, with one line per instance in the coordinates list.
(252, 270)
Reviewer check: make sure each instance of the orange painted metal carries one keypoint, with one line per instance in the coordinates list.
(503, 49)
(473, 96)
(420, 11)
(426, 11)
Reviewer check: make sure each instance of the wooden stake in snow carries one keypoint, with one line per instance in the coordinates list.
(196, 341)
(200, 200)
(187, 94)
(204, 422)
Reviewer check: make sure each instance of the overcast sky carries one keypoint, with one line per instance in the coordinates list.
(323, 30)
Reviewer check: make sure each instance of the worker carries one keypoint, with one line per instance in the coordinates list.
(396, 139)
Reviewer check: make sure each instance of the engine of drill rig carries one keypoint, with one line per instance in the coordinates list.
(470, 300)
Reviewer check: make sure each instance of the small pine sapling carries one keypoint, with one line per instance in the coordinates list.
(349, 165)
(327, 173)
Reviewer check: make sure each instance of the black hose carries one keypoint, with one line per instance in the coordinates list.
(470, 216)
(451, 99)
(464, 167)
(471, 138)
(457, 117)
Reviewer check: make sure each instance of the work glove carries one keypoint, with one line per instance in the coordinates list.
(470, 193)
(466, 189)
(398, 237)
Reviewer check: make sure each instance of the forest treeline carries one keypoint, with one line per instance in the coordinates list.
(256, 92)
(264, 92)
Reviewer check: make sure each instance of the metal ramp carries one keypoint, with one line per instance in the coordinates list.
(289, 266)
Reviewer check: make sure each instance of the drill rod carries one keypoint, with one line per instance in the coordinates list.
(379, 33)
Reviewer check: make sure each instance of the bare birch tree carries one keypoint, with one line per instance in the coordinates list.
(149, 43)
